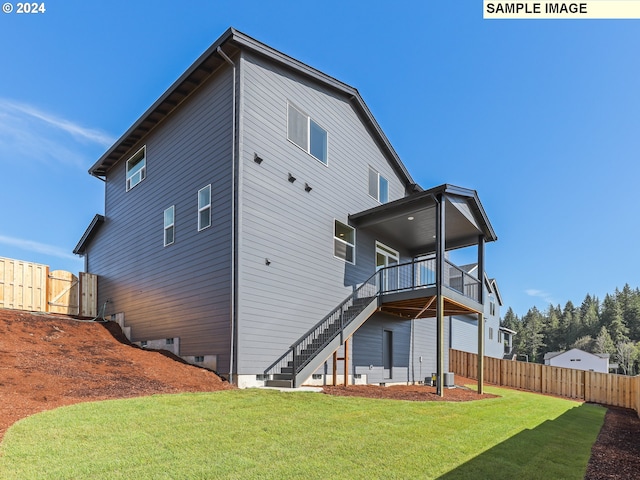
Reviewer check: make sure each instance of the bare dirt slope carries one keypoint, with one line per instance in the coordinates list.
(47, 361)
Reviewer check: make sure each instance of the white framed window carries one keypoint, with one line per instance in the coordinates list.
(137, 168)
(169, 225)
(344, 242)
(204, 207)
(378, 186)
(307, 134)
(490, 333)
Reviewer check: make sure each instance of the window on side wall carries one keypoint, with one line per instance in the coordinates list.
(378, 186)
(169, 225)
(137, 168)
(307, 134)
(344, 242)
(204, 207)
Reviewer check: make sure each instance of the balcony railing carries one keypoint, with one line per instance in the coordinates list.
(422, 274)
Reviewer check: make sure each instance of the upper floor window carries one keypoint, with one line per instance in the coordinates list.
(204, 207)
(306, 134)
(169, 225)
(378, 186)
(137, 168)
(344, 242)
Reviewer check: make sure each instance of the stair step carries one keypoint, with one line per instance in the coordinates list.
(279, 383)
(282, 376)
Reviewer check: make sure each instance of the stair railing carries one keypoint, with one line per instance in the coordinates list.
(323, 332)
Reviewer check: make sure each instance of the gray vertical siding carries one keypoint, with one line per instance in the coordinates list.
(183, 289)
(293, 228)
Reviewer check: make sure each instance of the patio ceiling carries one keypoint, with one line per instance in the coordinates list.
(411, 221)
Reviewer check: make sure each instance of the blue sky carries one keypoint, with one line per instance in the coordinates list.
(541, 117)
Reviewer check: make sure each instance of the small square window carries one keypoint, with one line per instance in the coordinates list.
(169, 225)
(344, 242)
(137, 168)
(204, 207)
(198, 358)
(169, 341)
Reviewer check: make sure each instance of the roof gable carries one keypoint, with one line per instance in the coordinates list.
(230, 43)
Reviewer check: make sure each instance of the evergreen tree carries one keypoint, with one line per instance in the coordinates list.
(552, 329)
(570, 325)
(630, 304)
(584, 343)
(604, 343)
(532, 337)
(612, 319)
(589, 314)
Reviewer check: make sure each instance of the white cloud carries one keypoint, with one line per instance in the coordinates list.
(78, 131)
(547, 297)
(29, 134)
(37, 247)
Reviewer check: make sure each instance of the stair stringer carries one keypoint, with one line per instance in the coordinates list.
(324, 354)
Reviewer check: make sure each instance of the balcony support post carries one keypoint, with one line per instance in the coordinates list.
(440, 249)
(481, 315)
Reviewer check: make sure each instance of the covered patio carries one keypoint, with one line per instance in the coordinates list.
(428, 225)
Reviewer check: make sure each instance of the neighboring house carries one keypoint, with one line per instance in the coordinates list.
(259, 222)
(498, 341)
(579, 360)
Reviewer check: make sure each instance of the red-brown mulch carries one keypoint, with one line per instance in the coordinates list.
(417, 393)
(616, 453)
(47, 361)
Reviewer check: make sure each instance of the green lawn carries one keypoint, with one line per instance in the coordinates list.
(267, 434)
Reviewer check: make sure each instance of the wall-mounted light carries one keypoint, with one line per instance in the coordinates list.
(267, 262)
(257, 158)
(410, 218)
(307, 187)
(292, 178)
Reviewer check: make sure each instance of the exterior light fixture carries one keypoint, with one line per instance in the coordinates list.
(307, 187)
(257, 158)
(410, 218)
(292, 178)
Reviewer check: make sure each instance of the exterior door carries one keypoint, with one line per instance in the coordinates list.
(387, 257)
(387, 354)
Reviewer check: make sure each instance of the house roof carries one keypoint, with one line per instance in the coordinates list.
(411, 221)
(88, 234)
(231, 42)
(550, 355)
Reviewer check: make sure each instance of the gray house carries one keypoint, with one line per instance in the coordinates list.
(259, 222)
(464, 329)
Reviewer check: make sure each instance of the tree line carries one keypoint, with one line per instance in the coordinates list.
(611, 326)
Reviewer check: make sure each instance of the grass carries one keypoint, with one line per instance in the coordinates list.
(271, 435)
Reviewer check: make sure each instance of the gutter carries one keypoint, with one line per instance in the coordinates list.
(234, 214)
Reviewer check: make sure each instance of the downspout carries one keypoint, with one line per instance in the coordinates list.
(233, 219)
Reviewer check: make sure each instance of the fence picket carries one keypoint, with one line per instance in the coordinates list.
(605, 388)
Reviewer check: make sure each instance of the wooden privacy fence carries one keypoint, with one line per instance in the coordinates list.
(31, 286)
(604, 388)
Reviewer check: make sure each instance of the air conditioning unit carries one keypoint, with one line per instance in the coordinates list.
(449, 381)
